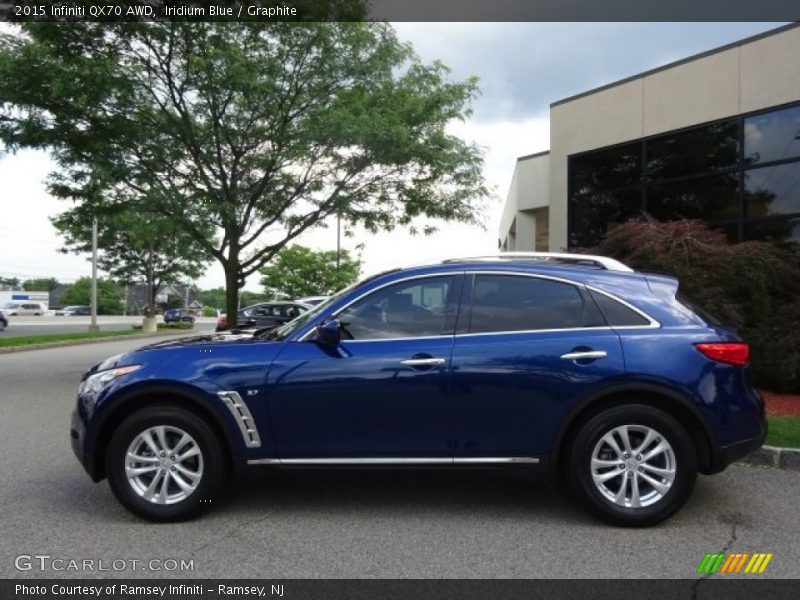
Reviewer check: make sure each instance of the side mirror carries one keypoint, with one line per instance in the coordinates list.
(329, 333)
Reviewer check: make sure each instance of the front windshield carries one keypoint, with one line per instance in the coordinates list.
(284, 331)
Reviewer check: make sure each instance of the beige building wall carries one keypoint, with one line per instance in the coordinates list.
(526, 202)
(752, 75)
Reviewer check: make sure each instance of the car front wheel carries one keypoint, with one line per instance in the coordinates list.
(164, 464)
(634, 465)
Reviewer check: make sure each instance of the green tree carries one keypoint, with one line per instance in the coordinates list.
(109, 296)
(9, 282)
(299, 271)
(135, 245)
(214, 297)
(262, 130)
(40, 284)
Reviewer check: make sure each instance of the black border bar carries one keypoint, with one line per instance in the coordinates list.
(734, 587)
(400, 10)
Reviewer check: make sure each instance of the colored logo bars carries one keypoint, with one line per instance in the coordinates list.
(739, 562)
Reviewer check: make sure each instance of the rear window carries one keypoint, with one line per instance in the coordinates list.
(517, 303)
(696, 309)
(616, 313)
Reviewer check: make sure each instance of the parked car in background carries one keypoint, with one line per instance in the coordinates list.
(74, 311)
(312, 300)
(572, 365)
(3, 321)
(24, 308)
(178, 315)
(265, 314)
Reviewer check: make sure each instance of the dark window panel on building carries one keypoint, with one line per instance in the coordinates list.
(772, 191)
(782, 231)
(712, 198)
(771, 136)
(592, 215)
(606, 169)
(695, 151)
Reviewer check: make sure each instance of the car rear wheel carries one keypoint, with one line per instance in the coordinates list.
(165, 464)
(634, 465)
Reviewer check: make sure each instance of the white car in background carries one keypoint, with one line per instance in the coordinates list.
(24, 308)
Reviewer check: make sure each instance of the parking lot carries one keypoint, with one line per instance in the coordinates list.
(471, 524)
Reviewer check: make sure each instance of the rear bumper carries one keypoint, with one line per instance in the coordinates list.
(725, 455)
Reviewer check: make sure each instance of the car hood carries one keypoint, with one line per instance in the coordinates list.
(220, 346)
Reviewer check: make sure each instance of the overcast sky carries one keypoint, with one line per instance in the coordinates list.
(522, 68)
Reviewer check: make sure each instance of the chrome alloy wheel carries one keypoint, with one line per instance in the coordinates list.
(633, 466)
(164, 464)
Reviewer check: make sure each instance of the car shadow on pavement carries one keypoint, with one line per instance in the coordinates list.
(513, 492)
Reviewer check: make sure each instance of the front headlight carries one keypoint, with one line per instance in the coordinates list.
(92, 385)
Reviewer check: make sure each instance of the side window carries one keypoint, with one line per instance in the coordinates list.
(518, 303)
(616, 313)
(408, 309)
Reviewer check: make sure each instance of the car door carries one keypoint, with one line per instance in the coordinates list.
(381, 395)
(527, 350)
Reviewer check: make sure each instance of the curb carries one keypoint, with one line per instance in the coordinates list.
(775, 458)
(109, 338)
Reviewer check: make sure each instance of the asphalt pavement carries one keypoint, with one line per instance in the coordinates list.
(361, 524)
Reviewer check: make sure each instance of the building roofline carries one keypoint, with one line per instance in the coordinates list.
(677, 63)
(534, 155)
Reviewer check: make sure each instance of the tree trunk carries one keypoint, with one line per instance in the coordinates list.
(149, 322)
(231, 292)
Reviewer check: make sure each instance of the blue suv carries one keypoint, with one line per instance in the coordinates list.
(572, 365)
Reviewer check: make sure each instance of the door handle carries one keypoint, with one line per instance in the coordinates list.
(423, 362)
(585, 355)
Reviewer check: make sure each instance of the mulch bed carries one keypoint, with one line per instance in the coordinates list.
(784, 405)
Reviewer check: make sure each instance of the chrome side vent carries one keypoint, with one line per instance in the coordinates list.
(243, 418)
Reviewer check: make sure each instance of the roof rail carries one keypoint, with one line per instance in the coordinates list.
(604, 262)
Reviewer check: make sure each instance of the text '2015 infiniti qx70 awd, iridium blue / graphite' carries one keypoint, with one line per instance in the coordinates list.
(569, 364)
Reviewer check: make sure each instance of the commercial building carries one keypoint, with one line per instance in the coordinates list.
(715, 137)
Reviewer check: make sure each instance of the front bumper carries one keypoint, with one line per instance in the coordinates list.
(77, 434)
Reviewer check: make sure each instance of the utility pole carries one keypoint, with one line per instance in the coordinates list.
(93, 326)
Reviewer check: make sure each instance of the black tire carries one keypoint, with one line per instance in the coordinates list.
(640, 418)
(214, 468)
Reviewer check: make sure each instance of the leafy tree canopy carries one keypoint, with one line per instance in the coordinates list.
(135, 245)
(9, 282)
(299, 271)
(109, 296)
(40, 284)
(260, 130)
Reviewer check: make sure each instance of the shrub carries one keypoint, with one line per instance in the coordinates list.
(754, 286)
(209, 311)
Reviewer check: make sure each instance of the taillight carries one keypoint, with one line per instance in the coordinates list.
(732, 353)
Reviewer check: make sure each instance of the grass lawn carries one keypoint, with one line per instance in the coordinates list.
(784, 432)
(28, 340)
